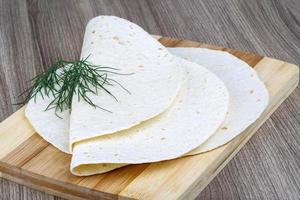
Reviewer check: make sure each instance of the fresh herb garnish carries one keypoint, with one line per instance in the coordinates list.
(64, 79)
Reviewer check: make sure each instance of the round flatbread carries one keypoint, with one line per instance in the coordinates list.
(197, 112)
(51, 128)
(248, 94)
(152, 86)
(248, 97)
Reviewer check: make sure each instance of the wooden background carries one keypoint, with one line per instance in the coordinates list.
(34, 33)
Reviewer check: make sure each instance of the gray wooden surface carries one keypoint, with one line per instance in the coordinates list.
(35, 33)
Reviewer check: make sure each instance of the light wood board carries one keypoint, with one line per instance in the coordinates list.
(27, 159)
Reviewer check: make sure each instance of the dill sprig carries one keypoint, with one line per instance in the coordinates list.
(64, 79)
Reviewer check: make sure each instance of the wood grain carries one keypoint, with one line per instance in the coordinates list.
(35, 33)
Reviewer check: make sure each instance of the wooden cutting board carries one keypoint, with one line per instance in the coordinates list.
(27, 159)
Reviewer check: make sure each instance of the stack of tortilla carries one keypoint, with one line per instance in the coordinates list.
(182, 101)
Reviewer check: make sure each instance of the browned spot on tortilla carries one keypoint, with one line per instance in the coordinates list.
(163, 138)
(93, 31)
(224, 128)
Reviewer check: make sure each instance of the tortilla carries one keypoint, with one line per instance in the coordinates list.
(197, 112)
(114, 42)
(53, 129)
(248, 98)
(248, 94)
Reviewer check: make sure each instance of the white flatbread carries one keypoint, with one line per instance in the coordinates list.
(248, 98)
(53, 129)
(197, 112)
(114, 42)
(248, 94)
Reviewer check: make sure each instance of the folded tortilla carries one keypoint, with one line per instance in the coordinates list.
(154, 81)
(197, 112)
(51, 128)
(248, 98)
(248, 95)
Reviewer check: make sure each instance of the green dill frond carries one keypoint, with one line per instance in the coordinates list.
(64, 79)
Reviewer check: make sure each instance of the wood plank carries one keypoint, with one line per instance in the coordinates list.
(13, 131)
(26, 151)
(41, 188)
